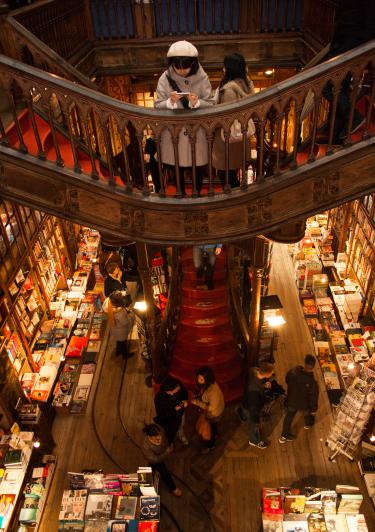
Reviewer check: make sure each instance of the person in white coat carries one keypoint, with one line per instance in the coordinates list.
(184, 85)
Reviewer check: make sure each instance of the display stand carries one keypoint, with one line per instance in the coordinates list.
(353, 413)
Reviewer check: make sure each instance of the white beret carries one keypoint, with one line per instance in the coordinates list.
(182, 49)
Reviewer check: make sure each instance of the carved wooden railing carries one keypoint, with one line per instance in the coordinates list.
(63, 26)
(36, 53)
(318, 19)
(115, 131)
(167, 332)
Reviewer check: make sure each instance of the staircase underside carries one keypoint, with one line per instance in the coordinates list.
(265, 207)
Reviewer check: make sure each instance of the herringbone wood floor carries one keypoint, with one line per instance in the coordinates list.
(227, 482)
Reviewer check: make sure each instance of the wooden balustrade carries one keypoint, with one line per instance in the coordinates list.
(318, 19)
(107, 137)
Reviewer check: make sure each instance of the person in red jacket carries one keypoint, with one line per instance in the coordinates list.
(302, 396)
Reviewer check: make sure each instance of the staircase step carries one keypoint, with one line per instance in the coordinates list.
(216, 293)
(191, 274)
(201, 327)
(203, 309)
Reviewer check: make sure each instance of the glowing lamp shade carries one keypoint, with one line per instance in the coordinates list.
(140, 305)
(36, 443)
(275, 321)
(372, 437)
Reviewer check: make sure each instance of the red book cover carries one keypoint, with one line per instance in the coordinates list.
(148, 526)
(272, 502)
(76, 346)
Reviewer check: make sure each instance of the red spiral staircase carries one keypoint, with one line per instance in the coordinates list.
(204, 333)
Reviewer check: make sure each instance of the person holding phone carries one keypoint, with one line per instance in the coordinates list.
(184, 85)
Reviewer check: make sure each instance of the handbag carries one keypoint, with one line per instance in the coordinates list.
(203, 427)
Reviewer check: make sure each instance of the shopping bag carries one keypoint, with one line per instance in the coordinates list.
(203, 427)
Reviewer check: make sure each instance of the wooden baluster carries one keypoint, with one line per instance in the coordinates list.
(258, 17)
(187, 16)
(179, 31)
(125, 12)
(117, 19)
(285, 132)
(366, 133)
(4, 138)
(22, 147)
(210, 141)
(213, 10)
(245, 143)
(162, 191)
(176, 164)
(107, 18)
(348, 138)
(266, 17)
(196, 26)
(69, 121)
(297, 133)
(160, 17)
(329, 149)
(41, 154)
(59, 160)
(260, 152)
(94, 172)
(95, 133)
(227, 187)
(231, 17)
(108, 149)
(146, 188)
(143, 17)
(223, 16)
(276, 16)
(204, 17)
(192, 140)
(99, 20)
(294, 16)
(169, 17)
(278, 143)
(285, 17)
(311, 157)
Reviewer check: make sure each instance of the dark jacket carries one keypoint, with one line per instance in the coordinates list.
(111, 285)
(254, 397)
(165, 406)
(302, 391)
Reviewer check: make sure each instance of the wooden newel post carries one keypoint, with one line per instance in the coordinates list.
(144, 272)
(256, 274)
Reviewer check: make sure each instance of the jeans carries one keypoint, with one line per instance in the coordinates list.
(165, 475)
(254, 426)
(198, 256)
(232, 178)
(288, 420)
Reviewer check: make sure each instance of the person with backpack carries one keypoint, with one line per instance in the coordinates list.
(184, 85)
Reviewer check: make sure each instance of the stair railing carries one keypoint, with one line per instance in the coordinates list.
(121, 128)
(167, 333)
(239, 320)
(36, 53)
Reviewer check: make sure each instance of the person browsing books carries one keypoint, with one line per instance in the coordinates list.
(302, 396)
(114, 280)
(120, 318)
(155, 449)
(184, 85)
(170, 404)
(253, 402)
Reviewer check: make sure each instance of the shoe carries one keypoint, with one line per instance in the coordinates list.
(259, 445)
(307, 427)
(177, 492)
(284, 439)
(238, 412)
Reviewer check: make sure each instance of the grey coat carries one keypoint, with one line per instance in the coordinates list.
(231, 92)
(201, 86)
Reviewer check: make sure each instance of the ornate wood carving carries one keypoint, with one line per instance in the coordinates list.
(132, 219)
(259, 211)
(326, 187)
(196, 224)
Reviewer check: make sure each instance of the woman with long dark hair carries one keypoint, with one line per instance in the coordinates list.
(234, 86)
(210, 399)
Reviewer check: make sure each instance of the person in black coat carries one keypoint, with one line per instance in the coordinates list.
(302, 396)
(170, 403)
(114, 280)
(253, 402)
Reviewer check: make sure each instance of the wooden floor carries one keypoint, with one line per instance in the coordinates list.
(221, 491)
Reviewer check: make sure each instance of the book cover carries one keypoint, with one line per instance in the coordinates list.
(350, 503)
(272, 522)
(94, 482)
(272, 502)
(131, 488)
(336, 523)
(295, 523)
(150, 508)
(117, 526)
(125, 507)
(73, 505)
(28, 515)
(294, 504)
(147, 526)
(329, 500)
(98, 507)
(356, 523)
(316, 523)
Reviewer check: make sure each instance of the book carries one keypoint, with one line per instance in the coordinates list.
(336, 523)
(73, 505)
(317, 523)
(356, 523)
(295, 523)
(125, 507)
(294, 504)
(329, 500)
(367, 464)
(118, 526)
(94, 482)
(149, 508)
(98, 507)
(272, 502)
(272, 522)
(146, 526)
(350, 503)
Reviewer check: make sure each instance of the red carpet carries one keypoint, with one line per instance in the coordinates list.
(204, 334)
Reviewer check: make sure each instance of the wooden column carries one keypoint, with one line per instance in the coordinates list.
(8, 44)
(144, 271)
(256, 274)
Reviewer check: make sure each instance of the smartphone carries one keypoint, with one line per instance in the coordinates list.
(183, 93)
